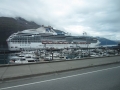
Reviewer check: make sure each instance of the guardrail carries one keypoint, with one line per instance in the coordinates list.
(54, 61)
(11, 72)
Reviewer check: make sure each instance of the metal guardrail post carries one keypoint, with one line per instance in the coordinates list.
(4, 56)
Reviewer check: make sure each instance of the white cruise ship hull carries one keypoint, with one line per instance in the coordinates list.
(37, 45)
(46, 38)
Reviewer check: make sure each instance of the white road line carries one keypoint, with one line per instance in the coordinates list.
(58, 78)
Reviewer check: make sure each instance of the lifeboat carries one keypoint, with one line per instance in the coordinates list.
(65, 42)
(60, 42)
(44, 42)
(50, 42)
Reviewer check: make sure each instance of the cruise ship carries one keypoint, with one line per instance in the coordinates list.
(46, 37)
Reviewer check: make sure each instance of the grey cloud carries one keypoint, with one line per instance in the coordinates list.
(103, 19)
(98, 15)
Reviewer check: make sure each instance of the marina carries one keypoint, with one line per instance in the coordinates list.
(47, 55)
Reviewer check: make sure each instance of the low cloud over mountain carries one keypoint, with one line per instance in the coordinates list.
(9, 26)
(96, 17)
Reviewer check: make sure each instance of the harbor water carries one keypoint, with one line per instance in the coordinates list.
(4, 59)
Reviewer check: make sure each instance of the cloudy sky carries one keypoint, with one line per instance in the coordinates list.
(96, 17)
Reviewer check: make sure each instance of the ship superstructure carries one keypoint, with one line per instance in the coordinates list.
(47, 37)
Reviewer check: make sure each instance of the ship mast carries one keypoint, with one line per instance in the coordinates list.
(84, 33)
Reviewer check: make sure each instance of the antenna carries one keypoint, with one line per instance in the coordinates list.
(84, 33)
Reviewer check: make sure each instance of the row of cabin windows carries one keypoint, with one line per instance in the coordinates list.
(35, 39)
(21, 45)
(21, 42)
(47, 40)
(28, 41)
(25, 41)
(38, 37)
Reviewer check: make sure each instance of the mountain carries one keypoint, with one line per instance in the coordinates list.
(105, 41)
(10, 25)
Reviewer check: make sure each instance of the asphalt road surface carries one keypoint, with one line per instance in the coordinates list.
(95, 78)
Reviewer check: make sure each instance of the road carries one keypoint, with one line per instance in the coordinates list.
(95, 78)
